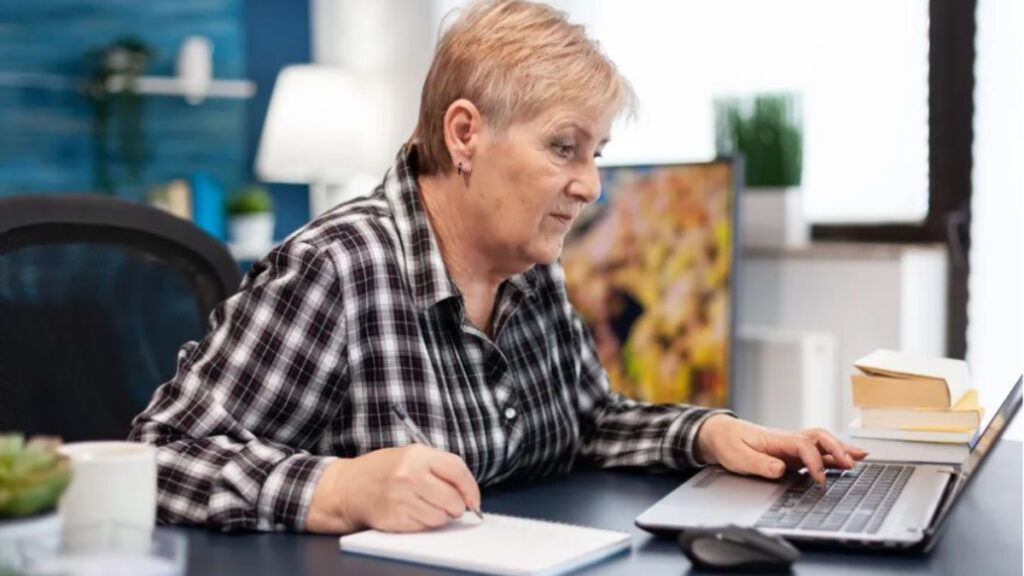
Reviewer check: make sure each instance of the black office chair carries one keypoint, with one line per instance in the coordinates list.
(96, 296)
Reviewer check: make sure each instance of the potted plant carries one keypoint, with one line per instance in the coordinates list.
(767, 131)
(112, 89)
(32, 478)
(251, 218)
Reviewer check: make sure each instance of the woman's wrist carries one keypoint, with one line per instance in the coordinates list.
(706, 435)
(329, 511)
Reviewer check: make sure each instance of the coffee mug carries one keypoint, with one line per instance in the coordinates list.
(113, 485)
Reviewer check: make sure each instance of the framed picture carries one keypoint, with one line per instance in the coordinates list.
(651, 268)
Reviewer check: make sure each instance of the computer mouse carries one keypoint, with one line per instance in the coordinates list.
(735, 548)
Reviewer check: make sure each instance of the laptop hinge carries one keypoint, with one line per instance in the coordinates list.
(945, 501)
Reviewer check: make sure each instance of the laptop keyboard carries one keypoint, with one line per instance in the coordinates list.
(855, 500)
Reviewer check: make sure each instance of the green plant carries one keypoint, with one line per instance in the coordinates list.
(32, 475)
(767, 132)
(251, 199)
(112, 88)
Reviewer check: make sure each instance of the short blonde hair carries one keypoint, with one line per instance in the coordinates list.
(513, 59)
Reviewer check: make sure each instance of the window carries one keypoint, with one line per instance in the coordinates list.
(861, 70)
(995, 313)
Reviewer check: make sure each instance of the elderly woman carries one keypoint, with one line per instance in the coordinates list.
(439, 293)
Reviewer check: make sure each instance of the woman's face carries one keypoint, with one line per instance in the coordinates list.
(529, 183)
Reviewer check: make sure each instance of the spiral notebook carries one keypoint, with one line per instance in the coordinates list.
(498, 545)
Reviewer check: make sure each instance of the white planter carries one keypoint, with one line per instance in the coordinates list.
(38, 536)
(252, 230)
(773, 217)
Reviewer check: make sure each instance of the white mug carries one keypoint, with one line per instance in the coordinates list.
(111, 501)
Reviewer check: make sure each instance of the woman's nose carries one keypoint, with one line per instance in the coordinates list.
(587, 187)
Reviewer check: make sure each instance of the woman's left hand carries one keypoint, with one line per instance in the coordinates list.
(746, 448)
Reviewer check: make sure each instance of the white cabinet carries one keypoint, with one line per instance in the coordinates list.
(867, 295)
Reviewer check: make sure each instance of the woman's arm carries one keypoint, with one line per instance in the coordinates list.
(622, 432)
(236, 424)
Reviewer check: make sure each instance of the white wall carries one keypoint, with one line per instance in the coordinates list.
(995, 315)
(867, 295)
(388, 45)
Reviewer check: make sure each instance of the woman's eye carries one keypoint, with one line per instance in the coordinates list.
(564, 150)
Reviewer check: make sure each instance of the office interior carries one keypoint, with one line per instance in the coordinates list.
(901, 229)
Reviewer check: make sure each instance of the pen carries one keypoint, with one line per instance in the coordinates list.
(418, 436)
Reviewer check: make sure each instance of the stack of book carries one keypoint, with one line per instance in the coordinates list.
(918, 399)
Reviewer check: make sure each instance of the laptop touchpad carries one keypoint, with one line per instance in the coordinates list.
(714, 498)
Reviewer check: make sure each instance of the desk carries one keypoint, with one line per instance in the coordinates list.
(984, 536)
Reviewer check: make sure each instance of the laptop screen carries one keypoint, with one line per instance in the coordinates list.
(995, 428)
(979, 452)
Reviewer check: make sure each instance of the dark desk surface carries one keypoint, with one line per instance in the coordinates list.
(984, 537)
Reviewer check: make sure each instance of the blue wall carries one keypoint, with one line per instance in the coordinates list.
(278, 36)
(46, 135)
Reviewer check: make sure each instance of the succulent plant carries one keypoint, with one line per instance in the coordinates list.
(32, 475)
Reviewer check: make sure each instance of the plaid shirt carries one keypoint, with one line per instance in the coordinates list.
(356, 312)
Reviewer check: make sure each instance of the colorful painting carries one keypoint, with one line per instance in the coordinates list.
(649, 267)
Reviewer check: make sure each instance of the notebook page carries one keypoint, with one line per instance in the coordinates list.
(499, 545)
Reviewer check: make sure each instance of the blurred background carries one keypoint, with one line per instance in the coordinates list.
(882, 196)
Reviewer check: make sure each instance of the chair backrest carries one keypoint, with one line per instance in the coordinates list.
(96, 296)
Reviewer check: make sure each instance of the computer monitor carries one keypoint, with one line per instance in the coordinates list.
(651, 268)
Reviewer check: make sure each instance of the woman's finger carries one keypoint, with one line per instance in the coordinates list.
(856, 452)
(746, 460)
(827, 459)
(441, 494)
(453, 470)
(426, 514)
(830, 445)
(795, 445)
(830, 462)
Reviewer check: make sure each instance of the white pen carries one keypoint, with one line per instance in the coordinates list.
(417, 435)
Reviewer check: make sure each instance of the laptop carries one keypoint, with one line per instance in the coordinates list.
(887, 505)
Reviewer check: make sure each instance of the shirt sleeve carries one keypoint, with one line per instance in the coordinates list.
(236, 425)
(618, 431)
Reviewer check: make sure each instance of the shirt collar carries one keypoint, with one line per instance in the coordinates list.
(424, 267)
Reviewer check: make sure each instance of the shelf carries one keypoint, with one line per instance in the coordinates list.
(153, 85)
(171, 86)
(832, 250)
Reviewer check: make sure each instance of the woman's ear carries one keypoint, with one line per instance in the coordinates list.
(463, 125)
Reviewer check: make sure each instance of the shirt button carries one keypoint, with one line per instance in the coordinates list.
(510, 413)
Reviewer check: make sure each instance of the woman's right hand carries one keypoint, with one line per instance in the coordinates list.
(406, 489)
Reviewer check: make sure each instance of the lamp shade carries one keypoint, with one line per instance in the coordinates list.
(316, 127)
